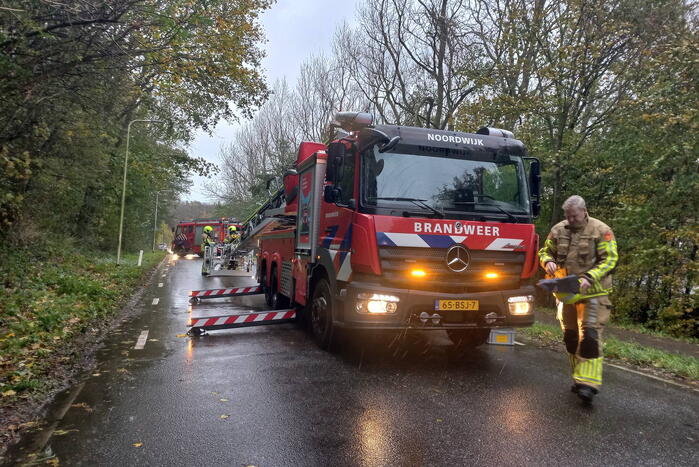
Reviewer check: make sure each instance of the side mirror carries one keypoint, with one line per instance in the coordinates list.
(379, 167)
(390, 145)
(535, 185)
(336, 156)
(371, 136)
(332, 194)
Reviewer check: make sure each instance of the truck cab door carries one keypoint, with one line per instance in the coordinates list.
(337, 212)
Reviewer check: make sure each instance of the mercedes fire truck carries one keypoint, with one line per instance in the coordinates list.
(402, 228)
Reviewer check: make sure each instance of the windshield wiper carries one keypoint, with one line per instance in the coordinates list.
(507, 213)
(416, 201)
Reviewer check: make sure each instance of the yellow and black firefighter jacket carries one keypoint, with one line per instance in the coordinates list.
(589, 251)
(231, 238)
(206, 239)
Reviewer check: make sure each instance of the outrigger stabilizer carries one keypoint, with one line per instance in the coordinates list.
(239, 319)
(198, 295)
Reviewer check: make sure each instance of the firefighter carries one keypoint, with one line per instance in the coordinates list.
(583, 246)
(207, 240)
(230, 240)
(207, 237)
(233, 234)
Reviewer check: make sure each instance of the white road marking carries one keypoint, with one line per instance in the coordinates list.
(652, 376)
(155, 301)
(141, 340)
(160, 284)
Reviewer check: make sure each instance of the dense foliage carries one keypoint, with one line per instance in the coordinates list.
(53, 295)
(74, 74)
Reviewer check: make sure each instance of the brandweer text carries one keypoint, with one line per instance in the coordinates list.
(468, 229)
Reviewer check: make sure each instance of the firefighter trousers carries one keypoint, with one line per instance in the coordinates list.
(583, 323)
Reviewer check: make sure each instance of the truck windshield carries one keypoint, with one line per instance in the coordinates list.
(450, 183)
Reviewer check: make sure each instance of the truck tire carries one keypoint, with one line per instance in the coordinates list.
(320, 314)
(468, 338)
(265, 288)
(277, 300)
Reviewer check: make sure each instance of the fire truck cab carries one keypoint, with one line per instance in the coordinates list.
(403, 228)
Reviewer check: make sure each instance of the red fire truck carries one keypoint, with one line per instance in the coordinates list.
(188, 233)
(402, 228)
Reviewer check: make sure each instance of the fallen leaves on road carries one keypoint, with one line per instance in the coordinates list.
(224, 416)
(83, 405)
(8, 393)
(122, 370)
(223, 400)
(137, 445)
(439, 420)
(181, 335)
(63, 432)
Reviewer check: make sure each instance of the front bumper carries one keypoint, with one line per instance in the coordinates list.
(414, 302)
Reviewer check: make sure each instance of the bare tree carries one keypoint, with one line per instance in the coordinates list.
(260, 149)
(414, 60)
(324, 87)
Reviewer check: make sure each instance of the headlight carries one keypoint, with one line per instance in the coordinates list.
(521, 305)
(376, 303)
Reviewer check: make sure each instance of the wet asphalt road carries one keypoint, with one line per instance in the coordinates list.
(266, 396)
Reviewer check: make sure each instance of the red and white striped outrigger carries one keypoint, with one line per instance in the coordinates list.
(239, 320)
(198, 295)
(236, 320)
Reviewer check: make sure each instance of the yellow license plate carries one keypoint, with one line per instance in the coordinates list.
(456, 305)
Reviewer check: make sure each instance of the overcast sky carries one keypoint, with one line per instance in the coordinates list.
(295, 29)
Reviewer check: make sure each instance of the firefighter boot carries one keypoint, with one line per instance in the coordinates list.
(585, 392)
(588, 378)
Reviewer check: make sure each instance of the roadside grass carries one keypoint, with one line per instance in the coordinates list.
(648, 357)
(651, 332)
(51, 298)
(635, 327)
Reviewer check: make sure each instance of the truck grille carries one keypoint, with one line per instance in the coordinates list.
(396, 263)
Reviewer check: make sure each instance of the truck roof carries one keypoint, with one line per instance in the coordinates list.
(414, 136)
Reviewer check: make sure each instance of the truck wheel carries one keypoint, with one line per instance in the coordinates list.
(278, 301)
(321, 315)
(468, 338)
(266, 289)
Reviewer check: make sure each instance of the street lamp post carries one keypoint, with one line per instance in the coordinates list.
(155, 221)
(123, 189)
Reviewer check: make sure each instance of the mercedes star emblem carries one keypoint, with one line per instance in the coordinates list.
(458, 258)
